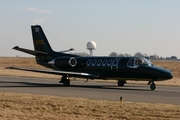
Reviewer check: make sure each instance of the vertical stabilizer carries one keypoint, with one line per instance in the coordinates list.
(41, 44)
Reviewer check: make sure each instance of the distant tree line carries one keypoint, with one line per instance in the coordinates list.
(137, 54)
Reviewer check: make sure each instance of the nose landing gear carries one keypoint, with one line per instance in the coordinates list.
(152, 85)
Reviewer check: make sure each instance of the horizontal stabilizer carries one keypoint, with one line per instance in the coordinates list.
(71, 74)
(32, 52)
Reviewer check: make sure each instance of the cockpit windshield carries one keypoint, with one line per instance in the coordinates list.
(138, 61)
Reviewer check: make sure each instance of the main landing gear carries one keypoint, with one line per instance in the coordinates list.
(152, 85)
(65, 80)
(121, 82)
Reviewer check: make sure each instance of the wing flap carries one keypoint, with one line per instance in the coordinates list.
(55, 72)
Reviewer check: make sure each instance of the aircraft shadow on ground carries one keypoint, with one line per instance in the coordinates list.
(11, 84)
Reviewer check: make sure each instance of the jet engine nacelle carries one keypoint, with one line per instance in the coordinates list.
(67, 62)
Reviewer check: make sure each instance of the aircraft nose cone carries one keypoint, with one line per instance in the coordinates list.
(170, 76)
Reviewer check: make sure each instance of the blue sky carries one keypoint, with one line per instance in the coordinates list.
(122, 26)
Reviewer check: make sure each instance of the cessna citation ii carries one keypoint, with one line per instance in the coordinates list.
(92, 67)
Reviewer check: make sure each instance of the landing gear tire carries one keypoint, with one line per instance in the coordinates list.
(121, 83)
(152, 86)
(65, 80)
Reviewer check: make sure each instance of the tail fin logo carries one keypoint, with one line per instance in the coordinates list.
(36, 29)
(39, 42)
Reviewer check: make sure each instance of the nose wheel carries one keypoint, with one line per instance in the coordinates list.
(152, 85)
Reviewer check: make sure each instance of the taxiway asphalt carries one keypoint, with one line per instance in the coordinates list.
(92, 90)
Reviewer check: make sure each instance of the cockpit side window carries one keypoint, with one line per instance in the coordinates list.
(131, 62)
(136, 62)
(139, 61)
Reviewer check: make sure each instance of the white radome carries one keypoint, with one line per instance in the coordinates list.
(91, 45)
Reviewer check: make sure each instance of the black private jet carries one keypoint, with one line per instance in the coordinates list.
(91, 67)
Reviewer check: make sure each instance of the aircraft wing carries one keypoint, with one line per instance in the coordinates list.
(55, 72)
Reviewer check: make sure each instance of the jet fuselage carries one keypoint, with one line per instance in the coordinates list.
(126, 68)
